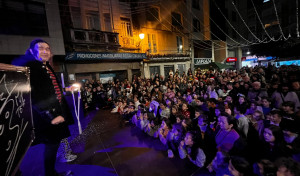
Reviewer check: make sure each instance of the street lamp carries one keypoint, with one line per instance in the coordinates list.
(248, 52)
(142, 36)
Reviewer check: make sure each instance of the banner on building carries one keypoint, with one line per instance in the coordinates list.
(100, 56)
(202, 61)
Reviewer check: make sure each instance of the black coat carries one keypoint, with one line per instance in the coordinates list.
(45, 105)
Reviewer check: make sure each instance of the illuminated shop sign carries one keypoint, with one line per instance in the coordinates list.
(99, 56)
(231, 59)
(202, 61)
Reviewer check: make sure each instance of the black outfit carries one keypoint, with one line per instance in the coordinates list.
(46, 105)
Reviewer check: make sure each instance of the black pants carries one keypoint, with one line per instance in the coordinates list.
(50, 158)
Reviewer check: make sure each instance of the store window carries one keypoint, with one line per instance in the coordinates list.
(181, 68)
(167, 69)
(154, 70)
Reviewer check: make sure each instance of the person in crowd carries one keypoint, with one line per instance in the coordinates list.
(212, 104)
(276, 117)
(253, 107)
(296, 87)
(228, 108)
(266, 105)
(164, 130)
(239, 166)
(152, 127)
(185, 110)
(264, 167)
(173, 114)
(169, 94)
(258, 123)
(206, 135)
(275, 146)
(220, 163)
(189, 148)
(243, 123)
(287, 167)
(256, 92)
(211, 92)
(288, 110)
(187, 125)
(157, 94)
(242, 100)
(291, 131)
(154, 108)
(175, 137)
(164, 110)
(285, 94)
(226, 136)
(136, 118)
(136, 102)
(50, 111)
(201, 104)
(144, 121)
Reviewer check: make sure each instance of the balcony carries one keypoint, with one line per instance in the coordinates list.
(94, 38)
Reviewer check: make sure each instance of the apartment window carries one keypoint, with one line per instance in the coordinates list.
(196, 25)
(179, 44)
(76, 17)
(152, 44)
(23, 18)
(176, 19)
(126, 27)
(107, 22)
(152, 14)
(195, 4)
(92, 21)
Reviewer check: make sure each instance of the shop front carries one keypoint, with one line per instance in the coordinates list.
(82, 66)
(164, 65)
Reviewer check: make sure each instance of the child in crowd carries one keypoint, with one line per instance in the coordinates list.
(220, 164)
(175, 137)
(163, 131)
(189, 148)
(152, 127)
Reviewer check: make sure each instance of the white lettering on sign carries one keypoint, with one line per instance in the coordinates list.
(202, 61)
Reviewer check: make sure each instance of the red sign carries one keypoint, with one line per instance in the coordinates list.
(231, 59)
(243, 58)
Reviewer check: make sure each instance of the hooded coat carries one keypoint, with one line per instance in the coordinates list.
(44, 102)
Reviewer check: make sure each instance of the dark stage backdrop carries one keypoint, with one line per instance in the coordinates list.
(16, 126)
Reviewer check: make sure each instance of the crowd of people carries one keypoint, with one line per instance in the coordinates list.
(244, 122)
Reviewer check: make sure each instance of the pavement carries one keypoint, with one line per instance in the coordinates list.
(109, 147)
